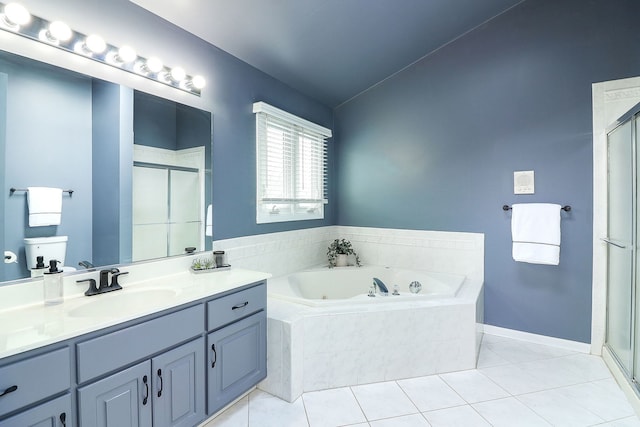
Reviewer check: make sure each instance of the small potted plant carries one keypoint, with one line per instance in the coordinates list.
(201, 265)
(338, 251)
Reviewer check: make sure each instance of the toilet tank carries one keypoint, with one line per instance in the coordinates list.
(48, 247)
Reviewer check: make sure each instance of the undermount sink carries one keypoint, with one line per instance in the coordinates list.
(122, 302)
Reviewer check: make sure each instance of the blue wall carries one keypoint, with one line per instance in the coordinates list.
(435, 146)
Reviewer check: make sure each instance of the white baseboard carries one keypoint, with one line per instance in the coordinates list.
(538, 339)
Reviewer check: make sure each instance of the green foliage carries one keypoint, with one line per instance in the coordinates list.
(202, 263)
(341, 247)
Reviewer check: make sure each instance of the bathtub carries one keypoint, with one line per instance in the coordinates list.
(324, 331)
(351, 285)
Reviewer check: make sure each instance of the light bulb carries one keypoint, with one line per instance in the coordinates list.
(127, 54)
(154, 65)
(57, 32)
(60, 31)
(95, 43)
(178, 74)
(198, 82)
(15, 15)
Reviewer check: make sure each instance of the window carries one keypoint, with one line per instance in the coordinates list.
(291, 166)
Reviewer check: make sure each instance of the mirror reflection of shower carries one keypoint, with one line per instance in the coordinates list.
(168, 202)
(171, 167)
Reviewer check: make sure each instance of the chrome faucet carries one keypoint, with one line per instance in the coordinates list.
(381, 287)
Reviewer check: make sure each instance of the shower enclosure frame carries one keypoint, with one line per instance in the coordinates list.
(628, 363)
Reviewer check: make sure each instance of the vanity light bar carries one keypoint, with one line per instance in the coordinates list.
(16, 19)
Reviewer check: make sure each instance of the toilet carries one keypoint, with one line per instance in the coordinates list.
(48, 247)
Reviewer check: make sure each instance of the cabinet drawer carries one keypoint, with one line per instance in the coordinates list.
(36, 378)
(113, 351)
(232, 307)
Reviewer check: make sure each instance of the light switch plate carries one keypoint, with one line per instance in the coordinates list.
(523, 182)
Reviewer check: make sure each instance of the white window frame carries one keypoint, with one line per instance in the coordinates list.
(302, 159)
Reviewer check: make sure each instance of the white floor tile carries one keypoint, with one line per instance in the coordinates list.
(383, 400)
(509, 412)
(332, 407)
(460, 416)
(603, 398)
(625, 422)
(487, 358)
(415, 420)
(559, 410)
(473, 386)
(235, 416)
(430, 393)
(514, 379)
(266, 410)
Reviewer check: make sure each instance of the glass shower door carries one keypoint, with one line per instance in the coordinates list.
(620, 306)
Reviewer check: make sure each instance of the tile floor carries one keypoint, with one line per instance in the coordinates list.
(517, 383)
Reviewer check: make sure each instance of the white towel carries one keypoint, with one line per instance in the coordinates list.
(535, 230)
(208, 228)
(45, 206)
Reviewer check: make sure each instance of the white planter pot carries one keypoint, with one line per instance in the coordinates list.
(341, 260)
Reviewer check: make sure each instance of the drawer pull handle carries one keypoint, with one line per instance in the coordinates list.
(215, 355)
(161, 382)
(237, 306)
(146, 390)
(63, 419)
(9, 390)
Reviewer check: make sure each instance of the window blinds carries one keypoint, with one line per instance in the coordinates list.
(291, 166)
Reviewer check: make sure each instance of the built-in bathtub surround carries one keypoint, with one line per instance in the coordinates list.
(314, 348)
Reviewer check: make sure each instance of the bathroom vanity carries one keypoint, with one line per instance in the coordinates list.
(167, 351)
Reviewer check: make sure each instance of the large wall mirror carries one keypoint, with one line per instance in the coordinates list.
(139, 167)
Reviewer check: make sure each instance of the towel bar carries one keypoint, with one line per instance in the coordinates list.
(566, 208)
(13, 190)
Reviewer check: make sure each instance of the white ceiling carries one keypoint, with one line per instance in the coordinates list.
(331, 50)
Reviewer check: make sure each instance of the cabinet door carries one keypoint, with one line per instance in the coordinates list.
(178, 386)
(55, 413)
(237, 360)
(120, 400)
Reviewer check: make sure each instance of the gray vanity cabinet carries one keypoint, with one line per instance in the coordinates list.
(120, 400)
(178, 386)
(167, 390)
(237, 356)
(54, 413)
(159, 371)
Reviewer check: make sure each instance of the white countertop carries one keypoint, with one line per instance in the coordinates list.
(28, 326)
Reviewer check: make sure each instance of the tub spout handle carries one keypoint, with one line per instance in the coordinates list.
(381, 286)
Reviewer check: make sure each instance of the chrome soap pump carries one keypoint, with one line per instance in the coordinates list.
(53, 293)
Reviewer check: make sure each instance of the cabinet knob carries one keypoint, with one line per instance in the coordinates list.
(63, 419)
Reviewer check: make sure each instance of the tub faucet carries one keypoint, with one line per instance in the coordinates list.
(382, 288)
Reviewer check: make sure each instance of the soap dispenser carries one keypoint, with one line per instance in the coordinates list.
(53, 284)
(38, 270)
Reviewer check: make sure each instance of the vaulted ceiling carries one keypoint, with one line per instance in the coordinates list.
(331, 50)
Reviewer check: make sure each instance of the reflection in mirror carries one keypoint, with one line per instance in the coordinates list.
(139, 167)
